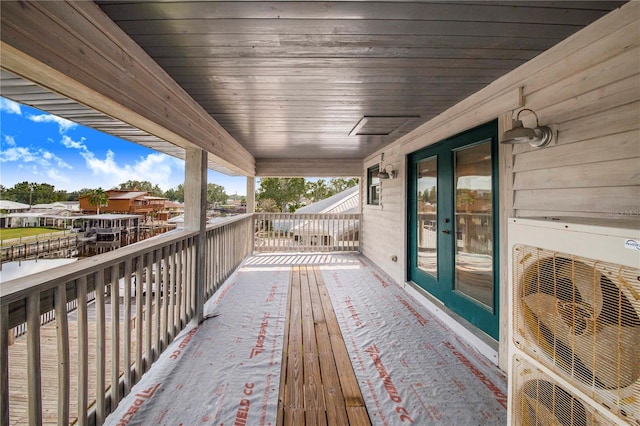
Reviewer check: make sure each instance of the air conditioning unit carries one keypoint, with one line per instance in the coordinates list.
(574, 332)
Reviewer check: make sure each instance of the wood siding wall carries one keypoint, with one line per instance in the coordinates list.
(588, 89)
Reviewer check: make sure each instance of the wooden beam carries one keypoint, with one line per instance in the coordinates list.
(294, 167)
(81, 54)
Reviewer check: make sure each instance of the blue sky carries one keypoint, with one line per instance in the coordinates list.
(39, 147)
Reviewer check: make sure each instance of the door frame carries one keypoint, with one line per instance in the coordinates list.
(487, 320)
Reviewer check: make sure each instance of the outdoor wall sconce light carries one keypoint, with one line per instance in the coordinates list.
(538, 137)
(384, 174)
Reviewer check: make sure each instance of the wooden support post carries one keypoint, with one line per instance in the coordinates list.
(251, 208)
(251, 194)
(195, 197)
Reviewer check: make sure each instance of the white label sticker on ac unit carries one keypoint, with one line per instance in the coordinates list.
(632, 244)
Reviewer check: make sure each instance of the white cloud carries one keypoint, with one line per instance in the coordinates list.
(9, 140)
(9, 106)
(56, 176)
(70, 143)
(63, 124)
(155, 168)
(40, 157)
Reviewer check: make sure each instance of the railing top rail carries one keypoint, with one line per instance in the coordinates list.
(330, 214)
(227, 220)
(19, 288)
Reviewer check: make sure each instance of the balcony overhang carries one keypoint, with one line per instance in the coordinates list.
(83, 56)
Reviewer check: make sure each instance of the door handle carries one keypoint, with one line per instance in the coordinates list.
(446, 231)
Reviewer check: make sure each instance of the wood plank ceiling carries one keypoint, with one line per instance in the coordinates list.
(291, 79)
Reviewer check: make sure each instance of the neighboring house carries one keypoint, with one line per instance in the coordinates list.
(72, 206)
(58, 218)
(23, 215)
(7, 207)
(12, 206)
(171, 210)
(327, 232)
(121, 201)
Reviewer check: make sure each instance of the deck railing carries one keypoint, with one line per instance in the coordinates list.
(307, 232)
(85, 364)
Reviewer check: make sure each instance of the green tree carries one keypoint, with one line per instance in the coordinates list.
(98, 197)
(146, 186)
(341, 184)
(216, 194)
(175, 194)
(284, 191)
(267, 205)
(318, 190)
(43, 193)
(21, 193)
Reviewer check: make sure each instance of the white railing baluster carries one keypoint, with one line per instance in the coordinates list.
(83, 351)
(34, 388)
(165, 297)
(180, 287)
(100, 348)
(115, 335)
(139, 266)
(62, 337)
(156, 301)
(148, 285)
(172, 292)
(126, 323)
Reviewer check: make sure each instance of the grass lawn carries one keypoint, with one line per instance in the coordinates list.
(9, 233)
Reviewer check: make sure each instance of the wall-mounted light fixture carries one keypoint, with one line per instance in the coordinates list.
(537, 137)
(387, 174)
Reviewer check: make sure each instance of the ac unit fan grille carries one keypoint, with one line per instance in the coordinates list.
(581, 318)
(538, 400)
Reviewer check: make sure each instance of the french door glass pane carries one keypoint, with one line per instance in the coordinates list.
(474, 223)
(427, 206)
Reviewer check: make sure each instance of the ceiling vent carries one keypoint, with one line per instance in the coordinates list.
(381, 125)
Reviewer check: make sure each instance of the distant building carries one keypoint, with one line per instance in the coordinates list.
(126, 202)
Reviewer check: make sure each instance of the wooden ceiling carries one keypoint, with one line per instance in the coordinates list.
(292, 79)
(289, 79)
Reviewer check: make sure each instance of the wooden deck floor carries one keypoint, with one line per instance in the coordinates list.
(18, 400)
(318, 385)
(437, 379)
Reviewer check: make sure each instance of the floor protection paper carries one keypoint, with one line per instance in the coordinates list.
(412, 369)
(226, 371)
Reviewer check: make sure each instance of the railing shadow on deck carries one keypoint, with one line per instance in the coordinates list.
(77, 368)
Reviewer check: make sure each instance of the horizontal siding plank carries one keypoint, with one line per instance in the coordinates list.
(592, 200)
(601, 99)
(606, 173)
(620, 119)
(585, 80)
(600, 50)
(605, 148)
(633, 215)
(616, 120)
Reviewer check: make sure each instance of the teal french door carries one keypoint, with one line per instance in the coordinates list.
(453, 224)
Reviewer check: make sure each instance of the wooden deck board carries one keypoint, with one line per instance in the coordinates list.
(18, 400)
(330, 393)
